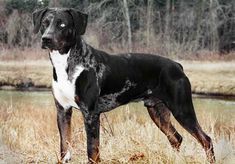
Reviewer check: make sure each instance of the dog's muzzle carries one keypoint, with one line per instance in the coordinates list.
(47, 43)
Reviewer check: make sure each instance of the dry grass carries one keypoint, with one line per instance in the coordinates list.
(206, 77)
(211, 77)
(22, 54)
(37, 73)
(31, 133)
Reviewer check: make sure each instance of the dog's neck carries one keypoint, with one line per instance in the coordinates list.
(81, 53)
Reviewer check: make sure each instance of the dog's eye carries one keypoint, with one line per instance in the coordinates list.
(62, 25)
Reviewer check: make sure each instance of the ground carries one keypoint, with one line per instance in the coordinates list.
(29, 134)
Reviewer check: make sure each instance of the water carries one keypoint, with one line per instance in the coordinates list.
(208, 106)
(19, 97)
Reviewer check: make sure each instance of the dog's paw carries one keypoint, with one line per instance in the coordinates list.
(67, 157)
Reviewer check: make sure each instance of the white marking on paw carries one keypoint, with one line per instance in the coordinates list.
(63, 88)
(67, 157)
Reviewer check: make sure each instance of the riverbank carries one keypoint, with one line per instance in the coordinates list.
(209, 78)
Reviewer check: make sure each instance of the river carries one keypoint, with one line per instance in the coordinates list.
(216, 107)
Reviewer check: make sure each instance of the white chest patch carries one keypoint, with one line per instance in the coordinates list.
(63, 88)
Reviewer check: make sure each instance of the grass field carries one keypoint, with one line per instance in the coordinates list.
(28, 133)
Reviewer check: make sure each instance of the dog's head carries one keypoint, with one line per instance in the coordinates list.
(60, 27)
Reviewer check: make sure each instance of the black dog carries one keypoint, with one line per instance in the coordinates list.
(95, 82)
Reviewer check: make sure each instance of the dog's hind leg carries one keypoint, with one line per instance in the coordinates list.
(182, 108)
(160, 115)
(64, 125)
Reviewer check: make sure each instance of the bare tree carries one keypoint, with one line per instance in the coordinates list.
(128, 23)
(167, 25)
(214, 24)
(149, 20)
(54, 3)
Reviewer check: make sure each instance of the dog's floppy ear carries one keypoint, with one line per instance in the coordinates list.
(37, 19)
(80, 21)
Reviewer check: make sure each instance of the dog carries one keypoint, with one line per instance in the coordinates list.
(95, 82)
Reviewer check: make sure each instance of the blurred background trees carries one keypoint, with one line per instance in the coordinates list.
(170, 27)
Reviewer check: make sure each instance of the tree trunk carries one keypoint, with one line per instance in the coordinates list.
(167, 25)
(213, 26)
(54, 3)
(128, 23)
(149, 20)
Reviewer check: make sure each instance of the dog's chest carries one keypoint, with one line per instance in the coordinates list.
(64, 86)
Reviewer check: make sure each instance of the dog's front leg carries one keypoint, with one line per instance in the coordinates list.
(92, 125)
(64, 126)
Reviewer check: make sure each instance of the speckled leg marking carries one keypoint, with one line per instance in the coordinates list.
(64, 125)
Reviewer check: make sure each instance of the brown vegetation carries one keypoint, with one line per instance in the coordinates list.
(217, 78)
(25, 74)
(30, 133)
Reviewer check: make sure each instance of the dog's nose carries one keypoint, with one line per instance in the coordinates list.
(47, 39)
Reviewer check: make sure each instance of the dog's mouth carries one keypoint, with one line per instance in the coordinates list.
(52, 47)
(47, 45)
